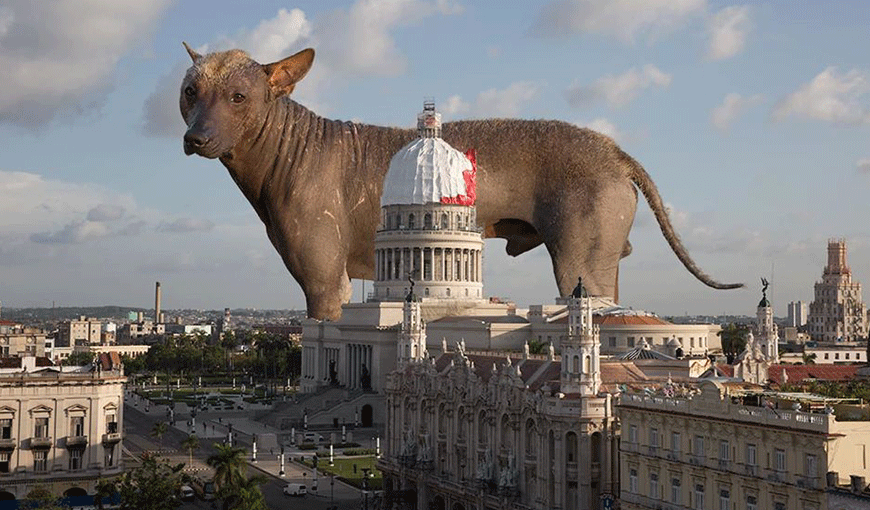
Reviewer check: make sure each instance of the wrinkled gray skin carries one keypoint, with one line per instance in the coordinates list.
(316, 183)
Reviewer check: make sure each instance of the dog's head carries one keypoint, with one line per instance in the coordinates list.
(225, 94)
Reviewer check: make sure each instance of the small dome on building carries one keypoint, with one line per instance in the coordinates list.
(429, 170)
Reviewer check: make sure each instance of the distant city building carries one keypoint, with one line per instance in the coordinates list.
(133, 331)
(838, 312)
(84, 330)
(19, 340)
(732, 445)
(60, 427)
(797, 314)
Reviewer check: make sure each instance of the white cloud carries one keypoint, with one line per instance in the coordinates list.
(623, 19)
(604, 127)
(59, 58)
(185, 225)
(618, 90)
(106, 212)
(723, 115)
(454, 105)
(831, 97)
(728, 31)
(75, 232)
(505, 102)
(350, 43)
(863, 166)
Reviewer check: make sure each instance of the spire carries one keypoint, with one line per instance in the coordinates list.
(581, 348)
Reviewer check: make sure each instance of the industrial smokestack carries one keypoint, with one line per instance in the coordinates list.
(157, 304)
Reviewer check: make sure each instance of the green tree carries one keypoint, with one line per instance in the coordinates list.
(159, 430)
(153, 485)
(809, 359)
(103, 490)
(78, 359)
(229, 466)
(40, 497)
(248, 495)
(190, 444)
(733, 338)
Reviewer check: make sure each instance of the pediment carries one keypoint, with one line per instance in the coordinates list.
(76, 409)
(7, 410)
(40, 409)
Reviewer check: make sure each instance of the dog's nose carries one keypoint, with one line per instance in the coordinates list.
(195, 139)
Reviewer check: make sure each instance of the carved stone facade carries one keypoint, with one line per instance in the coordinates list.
(838, 312)
(476, 430)
(60, 427)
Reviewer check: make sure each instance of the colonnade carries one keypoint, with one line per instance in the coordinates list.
(428, 264)
(357, 356)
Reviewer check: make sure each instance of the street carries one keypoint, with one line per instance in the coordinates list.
(138, 425)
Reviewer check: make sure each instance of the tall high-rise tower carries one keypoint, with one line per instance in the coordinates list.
(838, 312)
(581, 368)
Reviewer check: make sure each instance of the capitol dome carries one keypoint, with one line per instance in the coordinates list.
(429, 170)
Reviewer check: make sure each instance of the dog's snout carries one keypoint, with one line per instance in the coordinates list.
(196, 140)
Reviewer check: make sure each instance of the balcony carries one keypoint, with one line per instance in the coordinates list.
(724, 464)
(653, 451)
(7, 444)
(76, 441)
(750, 469)
(674, 456)
(38, 443)
(807, 482)
(111, 438)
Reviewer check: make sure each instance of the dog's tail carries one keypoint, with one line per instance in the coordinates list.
(646, 185)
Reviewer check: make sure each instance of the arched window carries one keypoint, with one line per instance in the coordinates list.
(459, 222)
(411, 221)
(398, 221)
(571, 447)
(531, 437)
(482, 428)
(576, 367)
(587, 364)
(448, 291)
(427, 221)
(444, 222)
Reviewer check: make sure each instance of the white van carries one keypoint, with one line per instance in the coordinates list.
(295, 489)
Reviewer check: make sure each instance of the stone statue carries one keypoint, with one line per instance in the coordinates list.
(333, 373)
(577, 193)
(365, 379)
(485, 469)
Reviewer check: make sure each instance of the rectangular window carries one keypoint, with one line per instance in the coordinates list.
(110, 455)
(675, 442)
(612, 341)
(779, 505)
(847, 355)
(111, 424)
(75, 459)
(41, 429)
(654, 437)
(779, 460)
(827, 356)
(751, 503)
(4, 462)
(750, 455)
(724, 451)
(811, 465)
(6, 428)
(699, 497)
(40, 461)
(631, 341)
(77, 426)
(698, 446)
(724, 499)
(632, 481)
(632, 434)
(675, 491)
(836, 355)
(654, 485)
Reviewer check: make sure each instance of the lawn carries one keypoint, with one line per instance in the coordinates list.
(344, 469)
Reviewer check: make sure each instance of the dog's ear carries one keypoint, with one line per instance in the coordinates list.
(285, 74)
(190, 51)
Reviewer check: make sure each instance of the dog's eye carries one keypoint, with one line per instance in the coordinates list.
(189, 91)
(237, 98)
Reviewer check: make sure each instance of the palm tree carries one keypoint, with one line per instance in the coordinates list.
(158, 430)
(809, 359)
(190, 443)
(229, 470)
(248, 495)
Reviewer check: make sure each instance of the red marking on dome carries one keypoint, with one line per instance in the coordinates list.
(470, 177)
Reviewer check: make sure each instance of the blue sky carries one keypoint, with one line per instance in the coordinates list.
(752, 118)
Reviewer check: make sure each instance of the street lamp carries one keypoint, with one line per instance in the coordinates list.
(365, 484)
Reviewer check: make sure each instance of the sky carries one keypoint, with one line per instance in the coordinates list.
(752, 118)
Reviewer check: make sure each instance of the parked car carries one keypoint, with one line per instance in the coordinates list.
(186, 493)
(205, 489)
(295, 489)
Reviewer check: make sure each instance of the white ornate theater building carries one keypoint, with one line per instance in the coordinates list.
(60, 427)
